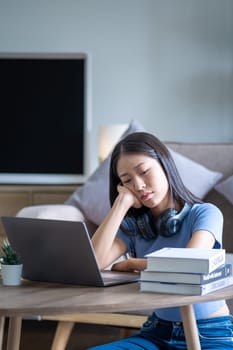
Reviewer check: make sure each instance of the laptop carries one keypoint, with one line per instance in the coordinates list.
(60, 252)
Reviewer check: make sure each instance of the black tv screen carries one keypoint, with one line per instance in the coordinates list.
(43, 118)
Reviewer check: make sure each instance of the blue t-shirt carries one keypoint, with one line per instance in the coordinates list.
(204, 216)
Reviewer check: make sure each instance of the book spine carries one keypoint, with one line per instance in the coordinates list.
(219, 273)
(185, 289)
(216, 285)
(216, 261)
(193, 278)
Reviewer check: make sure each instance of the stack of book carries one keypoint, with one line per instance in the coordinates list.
(186, 271)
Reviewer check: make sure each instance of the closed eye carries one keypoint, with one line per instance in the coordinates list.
(144, 172)
(126, 181)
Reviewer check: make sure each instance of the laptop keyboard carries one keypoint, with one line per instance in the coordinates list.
(114, 276)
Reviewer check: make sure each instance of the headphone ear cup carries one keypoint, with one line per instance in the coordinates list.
(164, 223)
(169, 222)
(173, 225)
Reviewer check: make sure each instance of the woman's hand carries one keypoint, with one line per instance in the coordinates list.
(131, 264)
(134, 202)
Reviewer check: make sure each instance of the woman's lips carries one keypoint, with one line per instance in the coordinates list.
(146, 196)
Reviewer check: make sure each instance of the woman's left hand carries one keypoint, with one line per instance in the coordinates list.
(131, 264)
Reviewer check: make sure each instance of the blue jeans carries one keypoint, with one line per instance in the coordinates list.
(156, 334)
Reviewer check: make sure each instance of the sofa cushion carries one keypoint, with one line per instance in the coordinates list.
(226, 188)
(52, 211)
(93, 197)
(196, 177)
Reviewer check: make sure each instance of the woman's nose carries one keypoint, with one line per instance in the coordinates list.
(139, 184)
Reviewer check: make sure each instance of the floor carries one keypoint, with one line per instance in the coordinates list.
(38, 335)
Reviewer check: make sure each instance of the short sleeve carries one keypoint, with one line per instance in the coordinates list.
(208, 217)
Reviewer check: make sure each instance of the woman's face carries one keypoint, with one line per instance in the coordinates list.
(145, 177)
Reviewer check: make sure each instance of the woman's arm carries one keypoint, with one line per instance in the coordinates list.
(106, 245)
(201, 239)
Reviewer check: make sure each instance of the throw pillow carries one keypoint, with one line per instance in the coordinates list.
(52, 211)
(196, 177)
(226, 188)
(93, 197)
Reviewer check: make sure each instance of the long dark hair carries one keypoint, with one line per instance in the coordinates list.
(149, 145)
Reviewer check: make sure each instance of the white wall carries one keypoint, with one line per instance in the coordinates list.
(167, 63)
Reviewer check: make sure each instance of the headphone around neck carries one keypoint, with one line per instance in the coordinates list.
(167, 224)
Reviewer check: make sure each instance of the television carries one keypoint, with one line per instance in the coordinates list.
(45, 118)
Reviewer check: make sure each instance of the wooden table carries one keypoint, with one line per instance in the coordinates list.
(33, 298)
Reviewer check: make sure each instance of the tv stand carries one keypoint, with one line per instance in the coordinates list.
(15, 197)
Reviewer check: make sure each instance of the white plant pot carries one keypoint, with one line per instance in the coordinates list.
(11, 274)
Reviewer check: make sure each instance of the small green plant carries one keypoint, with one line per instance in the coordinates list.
(10, 256)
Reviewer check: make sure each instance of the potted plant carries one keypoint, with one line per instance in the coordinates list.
(11, 265)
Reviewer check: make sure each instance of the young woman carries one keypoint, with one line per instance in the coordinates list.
(151, 209)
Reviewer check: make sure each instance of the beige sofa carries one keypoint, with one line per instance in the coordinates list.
(216, 157)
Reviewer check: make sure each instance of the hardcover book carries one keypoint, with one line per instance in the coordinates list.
(185, 288)
(194, 260)
(185, 277)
